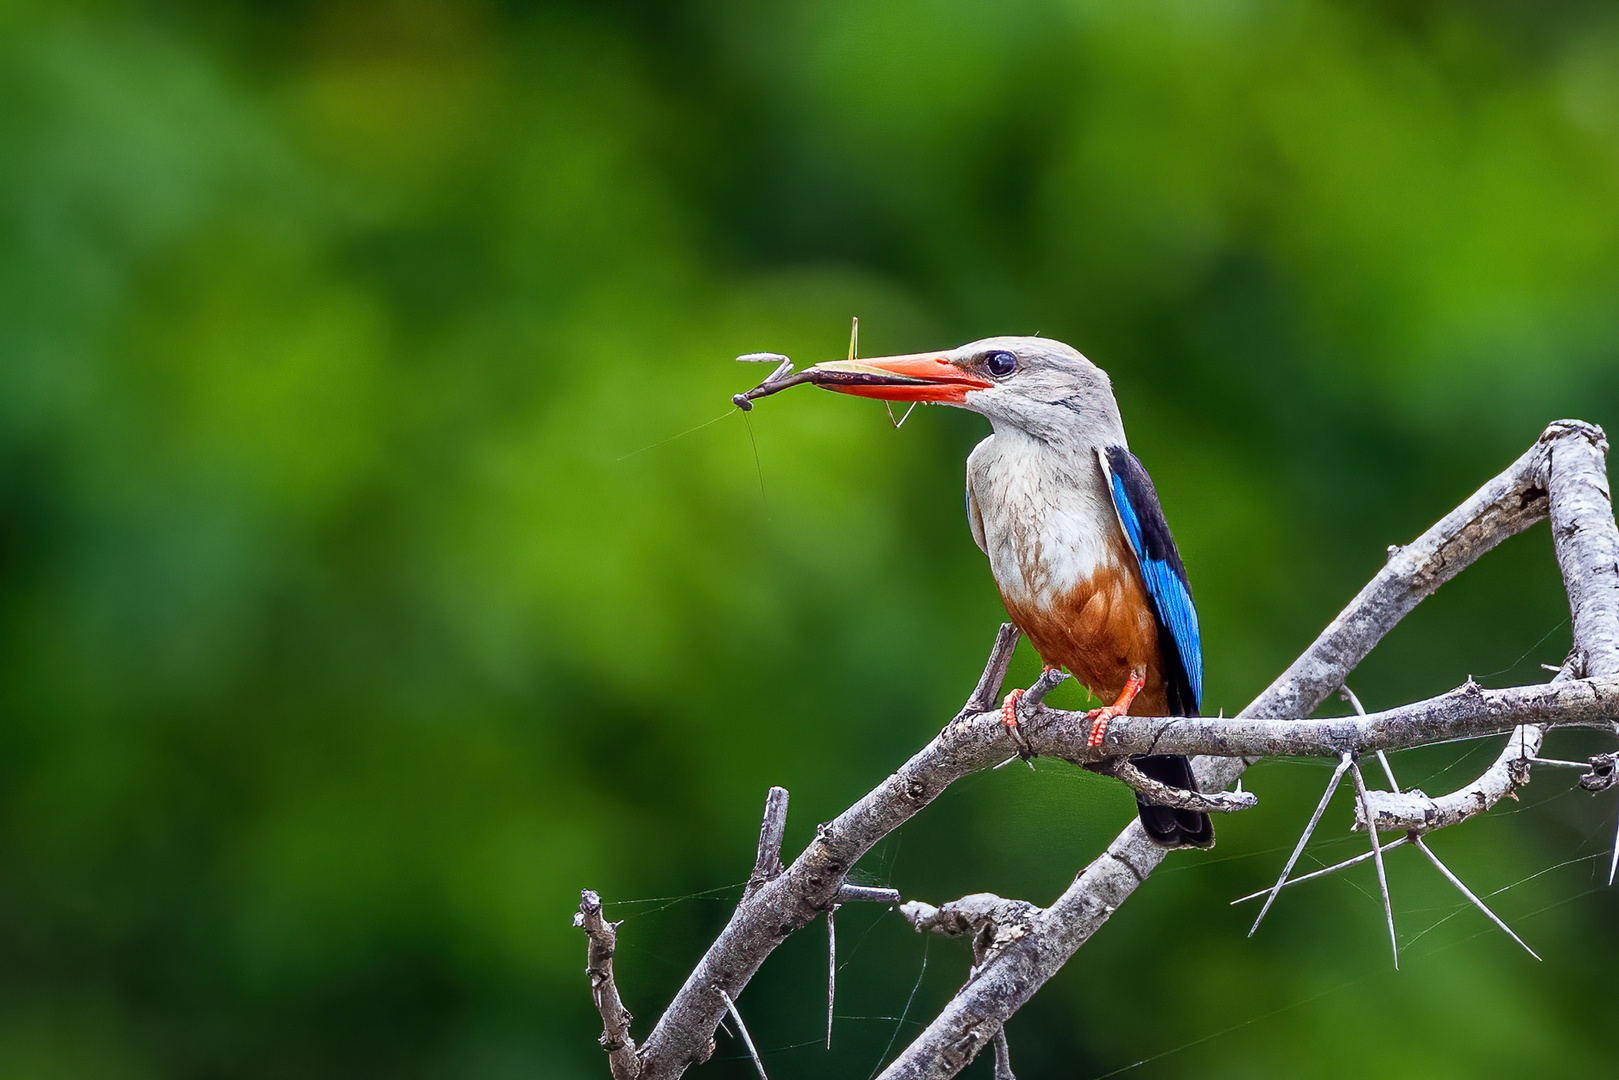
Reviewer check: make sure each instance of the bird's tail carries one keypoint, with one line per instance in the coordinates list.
(1166, 826)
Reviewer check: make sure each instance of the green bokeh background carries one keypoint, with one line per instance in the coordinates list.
(361, 606)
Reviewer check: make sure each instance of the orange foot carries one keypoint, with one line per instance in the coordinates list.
(1009, 718)
(1099, 717)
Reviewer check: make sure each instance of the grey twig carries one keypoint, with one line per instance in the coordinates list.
(1048, 681)
(992, 921)
(986, 695)
(1156, 791)
(602, 939)
(683, 1036)
(868, 894)
(1586, 541)
(1003, 1057)
(767, 867)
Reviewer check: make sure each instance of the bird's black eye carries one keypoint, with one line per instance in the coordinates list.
(1000, 364)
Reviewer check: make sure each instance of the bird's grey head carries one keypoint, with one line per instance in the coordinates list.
(1041, 387)
(1033, 385)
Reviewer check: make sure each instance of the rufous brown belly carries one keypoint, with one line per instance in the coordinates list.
(1100, 630)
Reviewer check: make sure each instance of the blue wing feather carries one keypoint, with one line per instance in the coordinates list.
(1161, 569)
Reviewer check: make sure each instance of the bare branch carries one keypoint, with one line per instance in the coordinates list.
(985, 694)
(1468, 711)
(1503, 507)
(1049, 680)
(684, 1034)
(602, 938)
(870, 894)
(1011, 976)
(771, 831)
(1156, 791)
(991, 920)
(1003, 1057)
(1586, 541)
(1024, 700)
(1414, 811)
(1587, 544)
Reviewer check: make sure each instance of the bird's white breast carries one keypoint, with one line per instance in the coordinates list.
(1047, 520)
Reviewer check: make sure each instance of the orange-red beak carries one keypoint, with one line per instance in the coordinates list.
(913, 377)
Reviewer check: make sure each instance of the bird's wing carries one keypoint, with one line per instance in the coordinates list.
(975, 517)
(1142, 519)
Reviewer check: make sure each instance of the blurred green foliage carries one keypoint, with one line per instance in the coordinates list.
(363, 598)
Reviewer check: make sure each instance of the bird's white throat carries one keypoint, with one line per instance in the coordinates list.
(1045, 515)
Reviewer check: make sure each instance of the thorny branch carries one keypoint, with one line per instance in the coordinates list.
(1562, 477)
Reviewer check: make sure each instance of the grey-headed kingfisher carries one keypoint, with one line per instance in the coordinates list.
(1073, 530)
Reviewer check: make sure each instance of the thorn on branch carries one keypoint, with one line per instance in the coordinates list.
(747, 1040)
(1298, 849)
(1353, 860)
(1465, 891)
(1377, 859)
(831, 969)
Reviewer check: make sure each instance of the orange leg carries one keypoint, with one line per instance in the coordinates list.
(1100, 717)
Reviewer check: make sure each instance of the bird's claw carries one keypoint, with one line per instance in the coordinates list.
(1099, 717)
(1099, 720)
(1009, 717)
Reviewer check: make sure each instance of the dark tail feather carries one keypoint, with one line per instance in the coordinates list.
(1166, 826)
